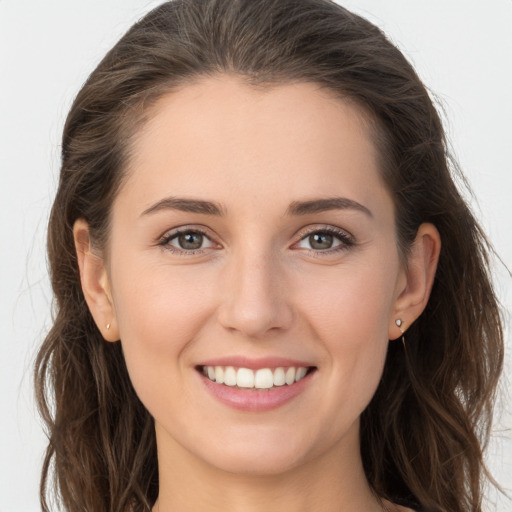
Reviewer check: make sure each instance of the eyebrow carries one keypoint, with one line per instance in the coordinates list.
(295, 208)
(186, 205)
(323, 205)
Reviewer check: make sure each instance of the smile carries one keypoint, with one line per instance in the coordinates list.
(262, 378)
(264, 387)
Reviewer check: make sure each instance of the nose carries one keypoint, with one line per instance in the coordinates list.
(255, 297)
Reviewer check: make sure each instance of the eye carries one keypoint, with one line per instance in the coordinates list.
(189, 240)
(325, 239)
(321, 241)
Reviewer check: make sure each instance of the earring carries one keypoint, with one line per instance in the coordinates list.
(108, 326)
(398, 323)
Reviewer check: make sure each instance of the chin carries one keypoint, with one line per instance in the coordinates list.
(263, 454)
(257, 465)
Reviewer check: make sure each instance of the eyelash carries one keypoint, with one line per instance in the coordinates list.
(346, 240)
(166, 239)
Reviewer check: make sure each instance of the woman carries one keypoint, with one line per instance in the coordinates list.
(271, 295)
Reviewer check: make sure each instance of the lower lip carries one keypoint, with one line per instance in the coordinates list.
(256, 400)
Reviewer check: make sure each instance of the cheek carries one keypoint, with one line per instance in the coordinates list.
(158, 303)
(348, 310)
(352, 300)
(159, 311)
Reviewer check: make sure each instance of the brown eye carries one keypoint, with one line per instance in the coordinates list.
(321, 241)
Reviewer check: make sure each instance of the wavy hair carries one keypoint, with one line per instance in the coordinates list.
(423, 433)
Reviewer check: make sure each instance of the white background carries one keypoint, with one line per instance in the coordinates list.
(461, 48)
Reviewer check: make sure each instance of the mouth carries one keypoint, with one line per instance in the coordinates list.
(260, 379)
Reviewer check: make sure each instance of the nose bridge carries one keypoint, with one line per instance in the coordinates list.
(254, 298)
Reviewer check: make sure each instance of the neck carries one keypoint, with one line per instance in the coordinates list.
(332, 482)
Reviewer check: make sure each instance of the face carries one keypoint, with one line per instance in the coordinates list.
(254, 236)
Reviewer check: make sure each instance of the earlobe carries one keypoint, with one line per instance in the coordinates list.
(413, 296)
(95, 282)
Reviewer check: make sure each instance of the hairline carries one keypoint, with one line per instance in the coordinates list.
(137, 115)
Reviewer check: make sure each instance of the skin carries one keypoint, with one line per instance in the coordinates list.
(256, 288)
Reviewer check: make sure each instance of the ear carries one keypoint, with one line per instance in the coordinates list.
(416, 282)
(95, 282)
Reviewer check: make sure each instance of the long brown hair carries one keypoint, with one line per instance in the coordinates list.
(423, 433)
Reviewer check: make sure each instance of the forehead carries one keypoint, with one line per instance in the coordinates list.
(221, 137)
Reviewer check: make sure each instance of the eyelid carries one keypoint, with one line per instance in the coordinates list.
(345, 238)
(170, 234)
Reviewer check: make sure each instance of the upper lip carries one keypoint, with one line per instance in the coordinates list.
(255, 363)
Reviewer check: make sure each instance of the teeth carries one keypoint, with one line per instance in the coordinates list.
(290, 376)
(263, 378)
(219, 375)
(230, 376)
(244, 377)
(279, 377)
(300, 374)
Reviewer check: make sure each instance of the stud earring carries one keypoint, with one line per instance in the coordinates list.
(398, 323)
(108, 326)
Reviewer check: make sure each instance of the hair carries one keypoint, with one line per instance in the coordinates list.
(423, 434)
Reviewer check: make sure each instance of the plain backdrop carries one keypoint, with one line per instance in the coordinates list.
(462, 49)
